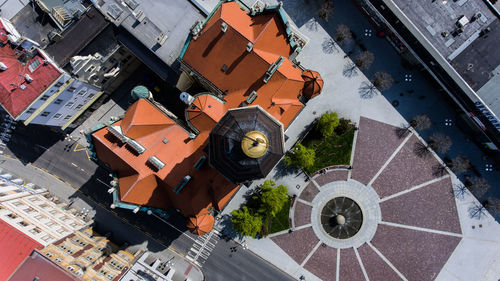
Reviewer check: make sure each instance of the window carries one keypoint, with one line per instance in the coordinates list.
(12, 216)
(17, 203)
(71, 268)
(64, 218)
(39, 217)
(47, 238)
(23, 223)
(70, 104)
(67, 117)
(49, 254)
(89, 257)
(58, 84)
(58, 101)
(45, 113)
(82, 92)
(57, 116)
(53, 211)
(79, 106)
(44, 97)
(43, 206)
(57, 260)
(91, 95)
(35, 230)
(61, 230)
(73, 224)
(31, 110)
(50, 223)
(29, 210)
(71, 89)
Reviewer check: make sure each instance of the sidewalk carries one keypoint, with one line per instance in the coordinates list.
(122, 230)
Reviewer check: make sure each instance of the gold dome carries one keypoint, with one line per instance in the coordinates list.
(254, 144)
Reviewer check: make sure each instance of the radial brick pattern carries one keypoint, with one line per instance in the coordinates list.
(302, 214)
(418, 199)
(432, 206)
(297, 244)
(375, 143)
(418, 255)
(349, 266)
(309, 192)
(405, 170)
(323, 263)
(376, 268)
(335, 175)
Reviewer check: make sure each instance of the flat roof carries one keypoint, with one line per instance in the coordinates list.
(77, 36)
(172, 18)
(16, 246)
(473, 54)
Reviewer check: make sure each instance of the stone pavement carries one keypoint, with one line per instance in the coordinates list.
(478, 251)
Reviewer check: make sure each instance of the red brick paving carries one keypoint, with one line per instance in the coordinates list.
(375, 143)
(350, 269)
(404, 171)
(376, 268)
(297, 244)
(323, 263)
(417, 255)
(334, 175)
(309, 192)
(432, 206)
(302, 214)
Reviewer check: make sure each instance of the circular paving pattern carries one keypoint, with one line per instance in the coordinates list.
(356, 203)
(341, 218)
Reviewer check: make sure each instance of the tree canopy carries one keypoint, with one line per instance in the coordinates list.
(245, 222)
(273, 197)
(327, 123)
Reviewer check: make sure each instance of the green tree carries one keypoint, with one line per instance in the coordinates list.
(272, 198)
(245, 222)
(327, 123)
(301, 156)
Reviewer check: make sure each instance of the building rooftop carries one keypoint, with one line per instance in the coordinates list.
(29, 72)
(177, 176)
(73, 39)
(15, 246)
(161, 26)
(466, 34)
(38, 267)
(223, 58)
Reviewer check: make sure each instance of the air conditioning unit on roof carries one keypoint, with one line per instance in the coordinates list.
(140, 16)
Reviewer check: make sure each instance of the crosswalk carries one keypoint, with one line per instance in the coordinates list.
(7, 127)
(202, 247)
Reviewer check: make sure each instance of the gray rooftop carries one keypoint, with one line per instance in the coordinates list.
(147, 20)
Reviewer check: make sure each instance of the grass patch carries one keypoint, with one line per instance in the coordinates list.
(280, 221)
(334, 150)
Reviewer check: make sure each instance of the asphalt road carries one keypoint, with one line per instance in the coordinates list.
(50, 151)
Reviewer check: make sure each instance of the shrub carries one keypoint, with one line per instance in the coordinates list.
(301, 156)
(344, 126)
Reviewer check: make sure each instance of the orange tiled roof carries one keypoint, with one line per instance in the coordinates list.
(140, 183)
(245, 70)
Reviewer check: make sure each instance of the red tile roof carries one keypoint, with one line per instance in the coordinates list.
(15, 246)
(37, 265)
(15, 92)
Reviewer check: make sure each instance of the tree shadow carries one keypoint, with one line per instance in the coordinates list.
(226, 229)
(329, 46)
(283, 170)
(421, 150)
(367, 90)
(350, 70)
(402, 131)
(312, 25)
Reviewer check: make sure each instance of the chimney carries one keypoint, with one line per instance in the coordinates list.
(223, 27)
(28, 78)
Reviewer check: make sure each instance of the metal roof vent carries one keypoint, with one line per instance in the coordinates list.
(137, 147)
(28, 78)
(3, 67)
(249, 47)
(161, 39)
(117, 132)
(157, 163)
(223, 27)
